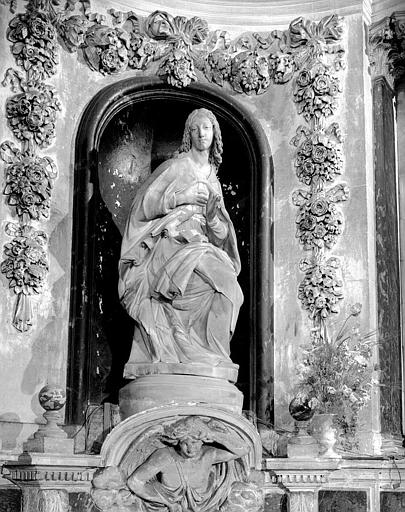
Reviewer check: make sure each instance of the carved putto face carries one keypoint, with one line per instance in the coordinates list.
(201, 132)
(190, 447)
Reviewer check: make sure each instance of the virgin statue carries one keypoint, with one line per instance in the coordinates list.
(179, 258)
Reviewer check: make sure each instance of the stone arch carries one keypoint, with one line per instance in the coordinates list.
(108, 103)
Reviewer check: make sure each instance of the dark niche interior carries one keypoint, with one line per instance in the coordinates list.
(133, 144)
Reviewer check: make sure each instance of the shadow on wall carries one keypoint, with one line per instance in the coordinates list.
(10, 429)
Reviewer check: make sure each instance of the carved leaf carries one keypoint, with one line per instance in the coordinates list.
(9, 152)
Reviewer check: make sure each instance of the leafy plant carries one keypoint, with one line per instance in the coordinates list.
(335, 375)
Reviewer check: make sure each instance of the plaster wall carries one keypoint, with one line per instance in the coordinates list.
(31, 359)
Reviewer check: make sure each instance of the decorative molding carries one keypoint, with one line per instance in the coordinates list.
(58, 474)
(310, 479)
(387, 48)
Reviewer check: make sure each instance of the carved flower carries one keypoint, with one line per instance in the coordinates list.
(26, 264)
(306, 147)
(105, 49)
(320, 231)
(178, 68)
(29, 182)
(321, 290)
(304, 78)
(322, 84)
(319, 153)
(249, 80)
(308, 223)
(110, 60)
(319, 207)
(315, 92)
(250, 73)
(32, 115)
(34, 44)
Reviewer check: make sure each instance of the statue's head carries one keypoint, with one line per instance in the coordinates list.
(203, 117)
(189, 434)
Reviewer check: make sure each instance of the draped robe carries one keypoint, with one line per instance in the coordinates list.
(177, 272)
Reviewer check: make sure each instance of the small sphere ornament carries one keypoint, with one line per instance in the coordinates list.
(300, 409)
(52, 397)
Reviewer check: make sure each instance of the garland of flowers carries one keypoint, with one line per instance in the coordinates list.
(318, 163)
(31, 115)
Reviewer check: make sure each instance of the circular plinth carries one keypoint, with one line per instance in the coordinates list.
(152, 391)
(135, 370)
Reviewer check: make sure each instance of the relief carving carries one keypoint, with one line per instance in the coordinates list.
(26, 268)
(32, 113)
(34, 44)
(193, 463)
(29, 182)
(387, 48)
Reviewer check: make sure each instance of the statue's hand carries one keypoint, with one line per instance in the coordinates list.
(195, 194)
(212, 206)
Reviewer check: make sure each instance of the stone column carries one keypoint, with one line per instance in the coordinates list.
(383, 41)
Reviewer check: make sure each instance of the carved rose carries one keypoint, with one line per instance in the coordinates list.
(315, 92)
(304, 78)
(319, 207)
(32, 115)
(318, 159)
(105, 49)
(34, 44)
(319, 223)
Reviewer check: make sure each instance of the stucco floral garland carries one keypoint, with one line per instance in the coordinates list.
(181, 51)
(318, 163)
(31, 113)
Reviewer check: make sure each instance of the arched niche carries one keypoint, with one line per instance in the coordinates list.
(120, 121)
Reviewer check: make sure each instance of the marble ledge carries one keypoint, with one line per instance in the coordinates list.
(334, 473)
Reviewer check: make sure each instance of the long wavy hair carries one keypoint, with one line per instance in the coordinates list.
(216, 149)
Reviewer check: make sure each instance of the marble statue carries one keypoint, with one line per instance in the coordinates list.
(179, 258)
(190, 473)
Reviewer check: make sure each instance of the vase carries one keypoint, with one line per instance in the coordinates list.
(323, 429)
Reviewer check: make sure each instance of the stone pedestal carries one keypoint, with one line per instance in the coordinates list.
(302, 445)
(152, 391)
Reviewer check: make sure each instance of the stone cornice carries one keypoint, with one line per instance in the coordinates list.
(387, 47)
(51, 471)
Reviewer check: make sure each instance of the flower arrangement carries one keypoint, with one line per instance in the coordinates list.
(335, 375)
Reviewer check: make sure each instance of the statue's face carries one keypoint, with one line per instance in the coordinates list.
(201, 132)
(190, 447)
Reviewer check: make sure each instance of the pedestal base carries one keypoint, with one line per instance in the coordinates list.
(49, 445)
(152, 391)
